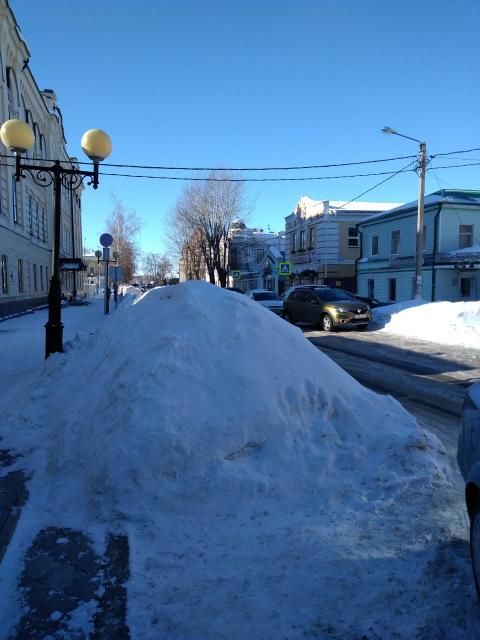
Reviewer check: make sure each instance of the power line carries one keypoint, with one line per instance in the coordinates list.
(406, 168)
(208, 179)
(289, 168)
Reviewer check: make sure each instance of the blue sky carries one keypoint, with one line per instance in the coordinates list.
(255, 83)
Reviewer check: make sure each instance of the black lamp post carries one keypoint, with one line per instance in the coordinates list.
(18, 137)
(98, 255)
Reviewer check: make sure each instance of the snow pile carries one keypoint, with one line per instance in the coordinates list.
(198, 395)
(128, 289)
(245, 466)
(454, 323)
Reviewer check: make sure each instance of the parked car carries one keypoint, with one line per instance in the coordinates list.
(233, 289)
(372, 302)
(286, 293)
(267, 299)
(468, 458)
(327, 308)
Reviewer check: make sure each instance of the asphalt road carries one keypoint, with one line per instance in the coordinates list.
(428, 379)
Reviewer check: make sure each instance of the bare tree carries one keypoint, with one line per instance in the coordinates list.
(124, 225)
(205, 213)
(157, 267)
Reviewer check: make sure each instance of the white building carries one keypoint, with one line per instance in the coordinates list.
(253, 257)
(26, 209)
(322, 240)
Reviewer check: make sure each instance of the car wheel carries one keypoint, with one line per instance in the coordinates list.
(286, 316)
(326, 322)
(362, 327)
(475, 545)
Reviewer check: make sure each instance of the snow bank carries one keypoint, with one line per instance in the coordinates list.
(454, 323)
(246, 468)
(192, 395)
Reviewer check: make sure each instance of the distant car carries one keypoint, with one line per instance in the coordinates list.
(234, 289)
(468, 458)
(372, 302)
(286, 293)
(327, 308)
(267, 299)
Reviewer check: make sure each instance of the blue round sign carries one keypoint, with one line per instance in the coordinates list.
(106, 240)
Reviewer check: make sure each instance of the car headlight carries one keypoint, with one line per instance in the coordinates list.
(343, 309)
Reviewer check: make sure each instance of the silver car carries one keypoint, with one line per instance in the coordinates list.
(267, 299)
(469, 462)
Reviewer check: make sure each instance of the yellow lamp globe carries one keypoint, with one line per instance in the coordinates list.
(96, 144)
(17, 136)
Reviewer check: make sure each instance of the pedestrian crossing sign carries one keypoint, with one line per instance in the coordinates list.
(285, 268)
(236, 274)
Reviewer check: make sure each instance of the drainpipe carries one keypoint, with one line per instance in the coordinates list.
(360, 238)
(435, 243)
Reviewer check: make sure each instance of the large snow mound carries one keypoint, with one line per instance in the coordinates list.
(454, 323)
(193, 396)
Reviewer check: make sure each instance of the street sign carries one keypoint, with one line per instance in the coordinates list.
(72, 264)
(236, 274)
(285, 268)
(106, 240)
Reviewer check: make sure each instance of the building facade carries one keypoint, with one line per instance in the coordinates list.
(253, 257)
(322, 240)
(26, 209)
(451, 250)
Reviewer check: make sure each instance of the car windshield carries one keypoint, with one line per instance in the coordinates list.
(330, 295)
(265, 295)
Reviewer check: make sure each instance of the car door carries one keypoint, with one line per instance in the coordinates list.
(295, 303)
(312, 308)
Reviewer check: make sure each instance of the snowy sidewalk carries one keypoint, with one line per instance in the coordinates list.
(62, 570)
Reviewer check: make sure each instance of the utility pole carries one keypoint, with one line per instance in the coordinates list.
(422, 161)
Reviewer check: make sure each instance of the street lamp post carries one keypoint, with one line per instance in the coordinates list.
(98, 255)
(422, 165)
(115, 256)
(18, 137)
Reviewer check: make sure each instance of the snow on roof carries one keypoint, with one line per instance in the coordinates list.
(317, 207)
(444, 196)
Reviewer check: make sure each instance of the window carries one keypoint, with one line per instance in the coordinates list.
(374, 246)
(41, 278)
(260, 254)
(395, 246)
(353, 237)
(34, 268)
(371, 287)
(294, 242)
(465, 287)
(392, 289)
(20, 275)
(311, 237)
(302, 240)
(4, 274)
(37, 219)
(465, 236)
(14, 199)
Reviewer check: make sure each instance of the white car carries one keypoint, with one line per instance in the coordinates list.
(267, 299)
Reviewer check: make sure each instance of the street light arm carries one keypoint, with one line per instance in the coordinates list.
(393, 132)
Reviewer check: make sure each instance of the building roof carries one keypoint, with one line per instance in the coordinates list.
(310, 207)
(444, 196)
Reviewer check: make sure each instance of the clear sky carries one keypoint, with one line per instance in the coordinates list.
(256, 83)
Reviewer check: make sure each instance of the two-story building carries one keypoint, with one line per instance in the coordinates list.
(451, 249)
(322, 240)
(254, 256)
(26, 207)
